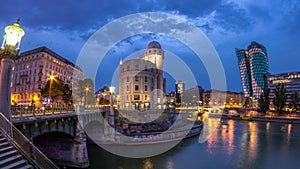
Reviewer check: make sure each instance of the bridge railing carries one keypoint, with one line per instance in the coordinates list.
(32, 111)
(24, 145)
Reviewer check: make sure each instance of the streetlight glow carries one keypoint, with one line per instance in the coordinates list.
(8, 54)
(13, 35)
(51, 77)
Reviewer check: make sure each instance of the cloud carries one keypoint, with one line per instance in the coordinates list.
(64, 26)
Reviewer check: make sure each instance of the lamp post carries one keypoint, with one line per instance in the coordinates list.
(51, 78)
(8, 54)
(86, 92)
(111, 102)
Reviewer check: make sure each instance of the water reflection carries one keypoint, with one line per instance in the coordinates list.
(289, 133)
(235, 144)
(252, 143)
(148, 164)
(170, 164)
(227, 135)
(211, 126)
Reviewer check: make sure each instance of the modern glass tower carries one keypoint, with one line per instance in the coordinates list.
(254, 67)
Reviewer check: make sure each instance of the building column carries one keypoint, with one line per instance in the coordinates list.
(5, 82)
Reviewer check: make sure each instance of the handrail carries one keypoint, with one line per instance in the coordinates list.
(33, 111)
(24, 145)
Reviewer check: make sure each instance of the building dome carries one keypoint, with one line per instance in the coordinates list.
(154, 44)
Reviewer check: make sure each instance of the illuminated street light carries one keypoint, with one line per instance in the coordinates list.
(8, 54)
(12, 37)
(111, 101)
(87, 89)
(51, 78)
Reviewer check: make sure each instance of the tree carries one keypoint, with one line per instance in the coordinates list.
(67, 96)
(249, 103)
(280, 98)
(295, 101)
(264, 101)
(84, 91)
(56, 89)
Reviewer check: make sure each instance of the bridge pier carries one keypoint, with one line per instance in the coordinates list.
(79, 152)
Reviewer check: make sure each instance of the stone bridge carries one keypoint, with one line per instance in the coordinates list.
(62, 137)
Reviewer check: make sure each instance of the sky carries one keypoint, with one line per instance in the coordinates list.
(66, 26)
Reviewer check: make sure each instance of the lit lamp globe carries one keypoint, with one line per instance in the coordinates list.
(8, 53)
(12, 37)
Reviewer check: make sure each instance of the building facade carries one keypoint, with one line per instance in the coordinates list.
(179, 87)
(142, 85)
(193, 96)
(223, 99)
(291, 81)
(33, 69)
(254, 66)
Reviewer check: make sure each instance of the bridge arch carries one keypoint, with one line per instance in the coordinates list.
(94, 130)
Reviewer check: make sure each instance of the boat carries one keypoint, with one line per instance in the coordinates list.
(245, 117)
(154, 137)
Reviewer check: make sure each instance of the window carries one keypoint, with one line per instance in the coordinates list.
(146, 79)
(127, 78)
(127, 88)
(136, 97)
(136, 78)
(146, 97)
(136, 87)
(146, 88)
(128, 67)
(136, 67)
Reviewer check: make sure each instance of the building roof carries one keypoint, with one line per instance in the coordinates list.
(154, 44)
(49, 51)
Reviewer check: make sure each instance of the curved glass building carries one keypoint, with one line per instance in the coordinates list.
(254, 67)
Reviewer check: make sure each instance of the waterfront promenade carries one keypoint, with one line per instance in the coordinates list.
(266, 118)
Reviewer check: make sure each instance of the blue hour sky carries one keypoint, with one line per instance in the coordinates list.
(65, 26)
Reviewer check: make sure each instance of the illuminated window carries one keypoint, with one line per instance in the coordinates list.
(136, 97)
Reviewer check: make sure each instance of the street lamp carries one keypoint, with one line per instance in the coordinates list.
(86, 91)
(8, 54)
(111, 102)
(51, 78)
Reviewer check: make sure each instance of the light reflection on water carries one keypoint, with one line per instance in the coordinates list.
(235, 144)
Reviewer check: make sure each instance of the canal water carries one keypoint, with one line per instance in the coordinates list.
(235, 144)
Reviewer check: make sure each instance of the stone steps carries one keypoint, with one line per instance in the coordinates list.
(10, 158)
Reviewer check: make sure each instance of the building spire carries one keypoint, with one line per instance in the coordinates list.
(121, 60)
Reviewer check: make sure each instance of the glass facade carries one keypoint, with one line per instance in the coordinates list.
(254, 67)
(291, 81)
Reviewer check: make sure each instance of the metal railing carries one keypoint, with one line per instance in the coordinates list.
(24, 145)
(32, 111)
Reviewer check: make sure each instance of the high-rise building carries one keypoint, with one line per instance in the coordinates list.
(142, 85)
(254, 67)
(179, 87)
(291, 81)
(33, 69)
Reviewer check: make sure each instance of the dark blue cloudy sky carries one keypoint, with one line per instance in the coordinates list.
(65, 26)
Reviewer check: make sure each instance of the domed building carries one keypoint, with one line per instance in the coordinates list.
(142, 85)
